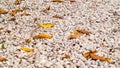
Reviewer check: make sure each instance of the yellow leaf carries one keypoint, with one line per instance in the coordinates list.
(3, 11)
(108, 60)
(42, 35)
(15, 12)
(47, 25)
(2, 59)
(26, 49)
(28, 40)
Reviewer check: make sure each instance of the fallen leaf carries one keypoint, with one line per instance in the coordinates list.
(2, 59)
(15, 12)
(57, 0)
(3, 11)
(74, 36)
(42, 35)
(47, 25)
(56, 16)
(47, 8)
(86, 54)
(26, 49)
(1, 28)
(93, 51)
(65, 57)
(27, 40)
(93, 56)
(102, 58)
(72, 0)
(35, 19)
(84, 32)
(108, 60)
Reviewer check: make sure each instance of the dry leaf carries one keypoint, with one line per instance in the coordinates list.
(42, 35)
(28, 40)
(86, 54)
(72, 0)
(93, 51)
(93, 56)
(1, 28)
(74, 36)
(65, 57)
(57, 0)
(47, 8)
(2, 59)
(108, 60)
(84, 32)
(47, 25)
(35, 19)
(102, 58)
(56, 16)
(3, 11)
(15, 12)
(26, 49)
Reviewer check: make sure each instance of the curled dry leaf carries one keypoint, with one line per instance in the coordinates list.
(47, 25)
(72, 0)
(26, 49)
(15, 12)
(1, 28)
(74, 36)
(96, 57)
(108, 60)
(42, 35)
(27, 40)
(84, 32)
(2, 59)
(3, 11)
(93, 56)
(57, 0)
(65, 57)
(47, 8)
(57, 16)
(35, 19)
(86, 54)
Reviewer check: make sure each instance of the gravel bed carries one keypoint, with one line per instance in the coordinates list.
(101, 17)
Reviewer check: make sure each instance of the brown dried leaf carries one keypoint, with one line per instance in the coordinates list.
(57, 0)
(1, 28)
(86, 54)
(17, 2)
(108, 60)
(35, 19)
(84, 32)
(65, 57)
(27, 40)
(57, 16)
(72, 0)
(42, 35)
(3, 11)
(93, 56)
(102, 58)
(15, 12)
(74, 36)
(2, 59)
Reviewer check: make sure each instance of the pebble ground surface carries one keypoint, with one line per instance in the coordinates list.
(101, 17)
